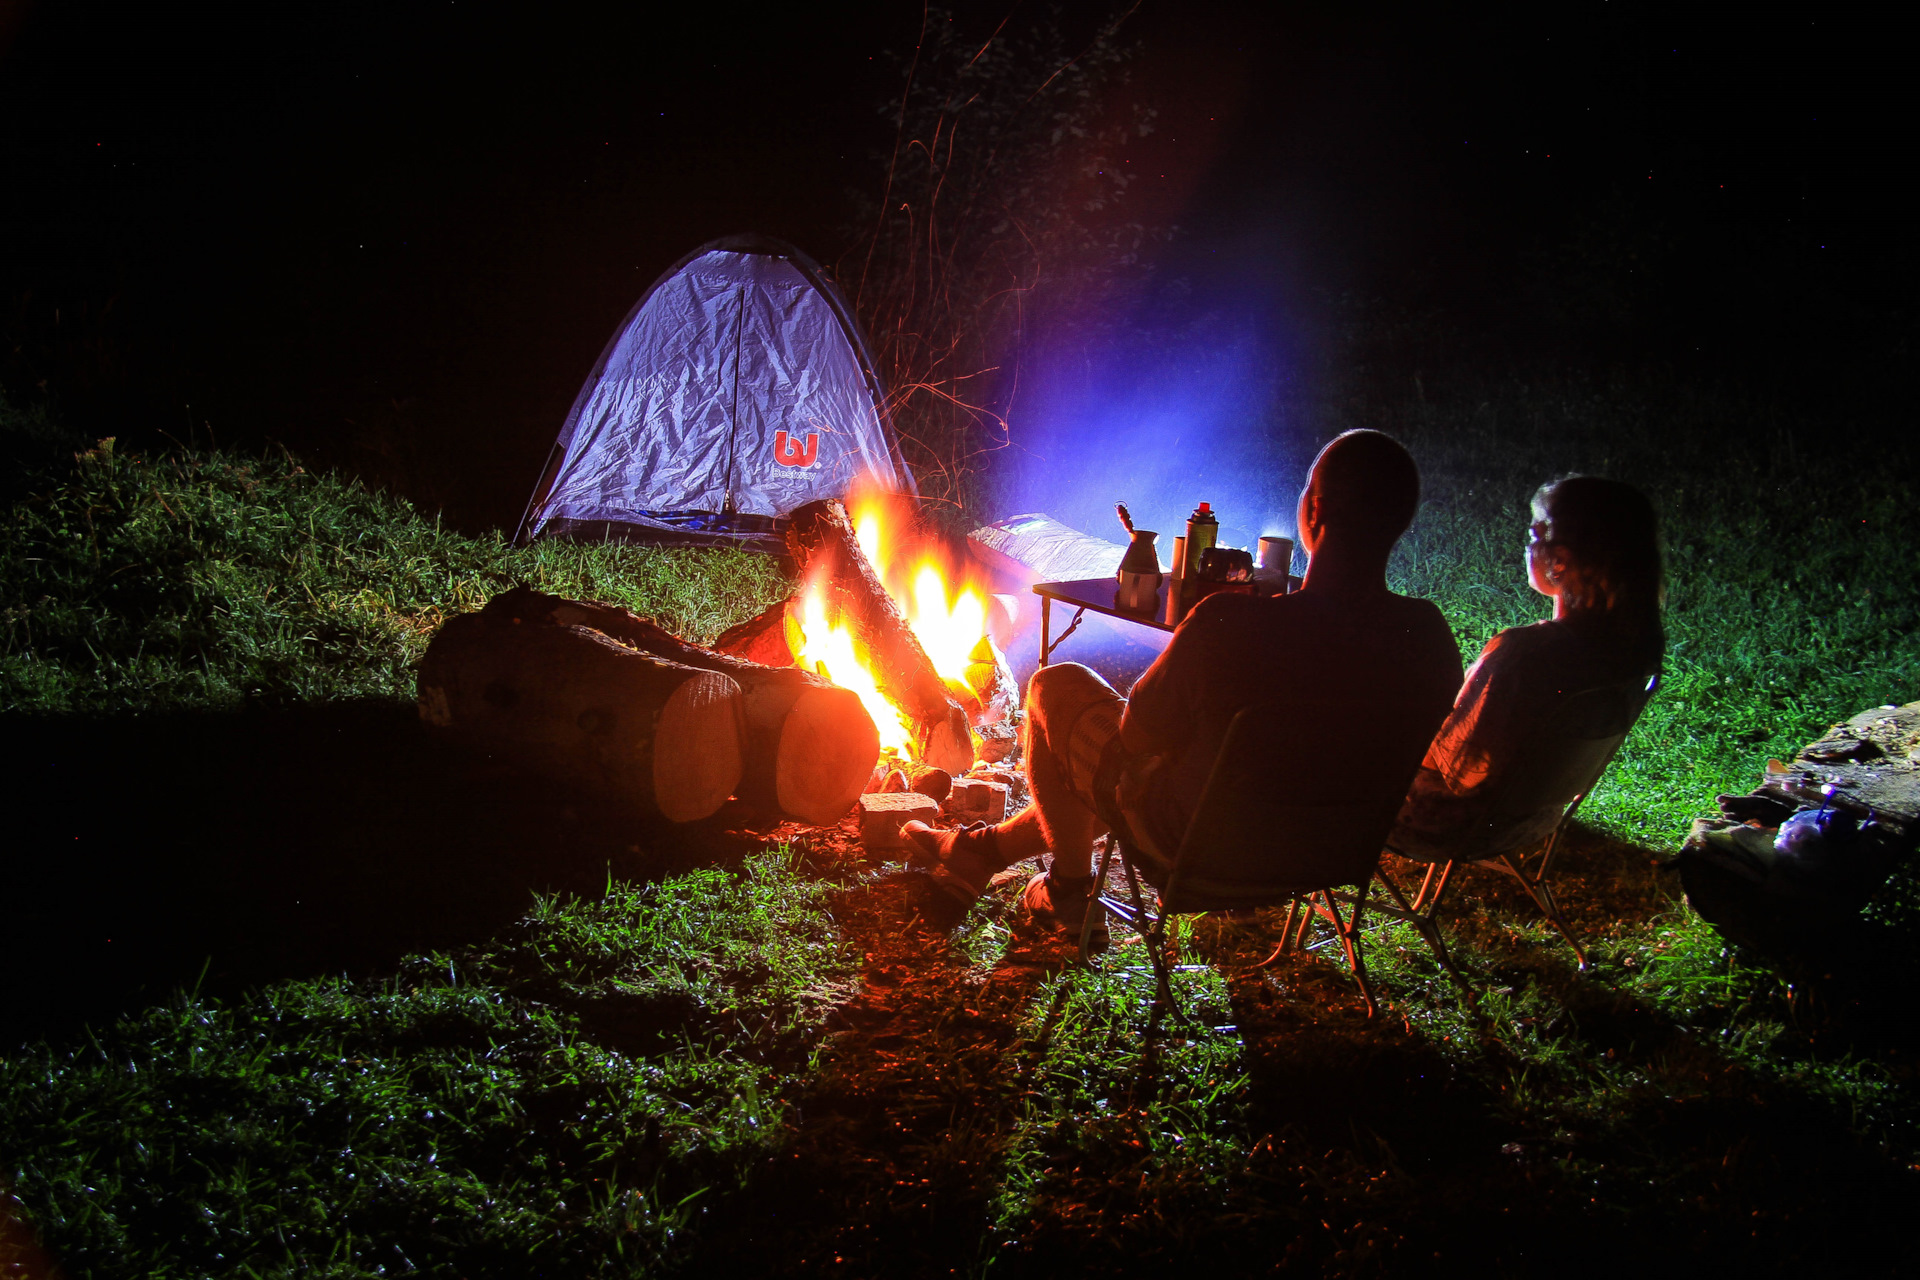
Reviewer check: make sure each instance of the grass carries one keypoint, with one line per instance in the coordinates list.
(573, 1095)
(1792, 600)
(797, 1063)
(211, 580)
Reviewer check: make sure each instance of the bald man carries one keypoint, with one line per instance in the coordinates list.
(1097, 762)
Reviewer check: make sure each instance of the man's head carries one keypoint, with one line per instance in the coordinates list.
(1360, 495)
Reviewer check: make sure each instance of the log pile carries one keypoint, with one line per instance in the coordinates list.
(602, 694)
(767, 638)
(599, 694)
(581, 705)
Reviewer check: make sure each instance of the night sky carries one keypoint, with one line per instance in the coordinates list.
(396, 236)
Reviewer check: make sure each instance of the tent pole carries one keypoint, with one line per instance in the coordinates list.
(733, 404)
(540, 492)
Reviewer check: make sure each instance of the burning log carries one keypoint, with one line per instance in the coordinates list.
(822, 541)
(581, 705)
(810, 745)
(764, 638)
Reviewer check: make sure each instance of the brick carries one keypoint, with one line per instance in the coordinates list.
(978, 800)
(883, 813)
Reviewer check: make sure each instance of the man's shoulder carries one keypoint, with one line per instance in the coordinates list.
(1418, 621)
(1420, 612)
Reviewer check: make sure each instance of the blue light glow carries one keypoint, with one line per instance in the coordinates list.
(1161, 417)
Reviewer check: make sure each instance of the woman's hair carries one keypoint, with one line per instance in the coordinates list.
(1611, 538)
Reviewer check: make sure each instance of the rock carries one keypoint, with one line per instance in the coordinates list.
(882, 814)
(978, 800)
(996, 742)
(932, 783)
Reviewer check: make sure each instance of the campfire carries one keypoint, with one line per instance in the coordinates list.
(877, 675)
(943, 612)
(896, 623)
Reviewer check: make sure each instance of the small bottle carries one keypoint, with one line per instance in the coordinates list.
(1203, 530)
(1176, 583)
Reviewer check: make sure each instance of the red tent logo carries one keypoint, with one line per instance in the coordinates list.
(791, 453)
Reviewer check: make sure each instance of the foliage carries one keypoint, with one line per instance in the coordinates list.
(1003, 200)
(211, 579)
(568, 1099)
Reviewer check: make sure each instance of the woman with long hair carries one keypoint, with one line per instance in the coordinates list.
(1594, 549)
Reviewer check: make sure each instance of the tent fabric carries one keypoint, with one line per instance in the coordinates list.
(737, 389)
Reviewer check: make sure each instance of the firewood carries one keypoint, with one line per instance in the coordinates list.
(822, 541)
(580, 705)
(765, 638)
(977, 800)
(997, 742)
(810, 746)
(928, 781)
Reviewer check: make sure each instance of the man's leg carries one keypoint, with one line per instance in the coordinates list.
(1072, 714)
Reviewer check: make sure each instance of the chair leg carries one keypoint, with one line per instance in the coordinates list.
(1426, 882)
(1427, 923)
(1536, 887)
(1306, 918)
(1280, 948)
(1099, 887)
(1155, 939)
(1349, 931)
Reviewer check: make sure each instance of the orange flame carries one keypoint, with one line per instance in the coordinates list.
(948, 627)
(827, 647)
(948, 623)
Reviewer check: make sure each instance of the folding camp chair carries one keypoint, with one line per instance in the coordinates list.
(1293, 807)
(1542, 787)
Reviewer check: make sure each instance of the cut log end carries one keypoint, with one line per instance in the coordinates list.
(697, 756)
(827, 751)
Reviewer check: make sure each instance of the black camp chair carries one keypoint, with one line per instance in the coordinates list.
(1289, 811)
(1544, 785)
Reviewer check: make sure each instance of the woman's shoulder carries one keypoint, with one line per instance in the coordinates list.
(1536, 637)
(1571, 653)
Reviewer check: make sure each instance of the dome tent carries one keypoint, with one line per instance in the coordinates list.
(738, 388)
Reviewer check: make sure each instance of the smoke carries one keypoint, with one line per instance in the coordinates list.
(1160, 415)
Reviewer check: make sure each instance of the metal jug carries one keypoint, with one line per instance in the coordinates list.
(1139, 589)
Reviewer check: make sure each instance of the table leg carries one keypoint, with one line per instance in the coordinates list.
(1046, 623)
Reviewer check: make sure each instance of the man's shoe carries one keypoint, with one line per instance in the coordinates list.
(961, 860)
(1055, 901)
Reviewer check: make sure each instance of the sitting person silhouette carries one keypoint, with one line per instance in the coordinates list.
(1594, 548)
(1097, 762)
